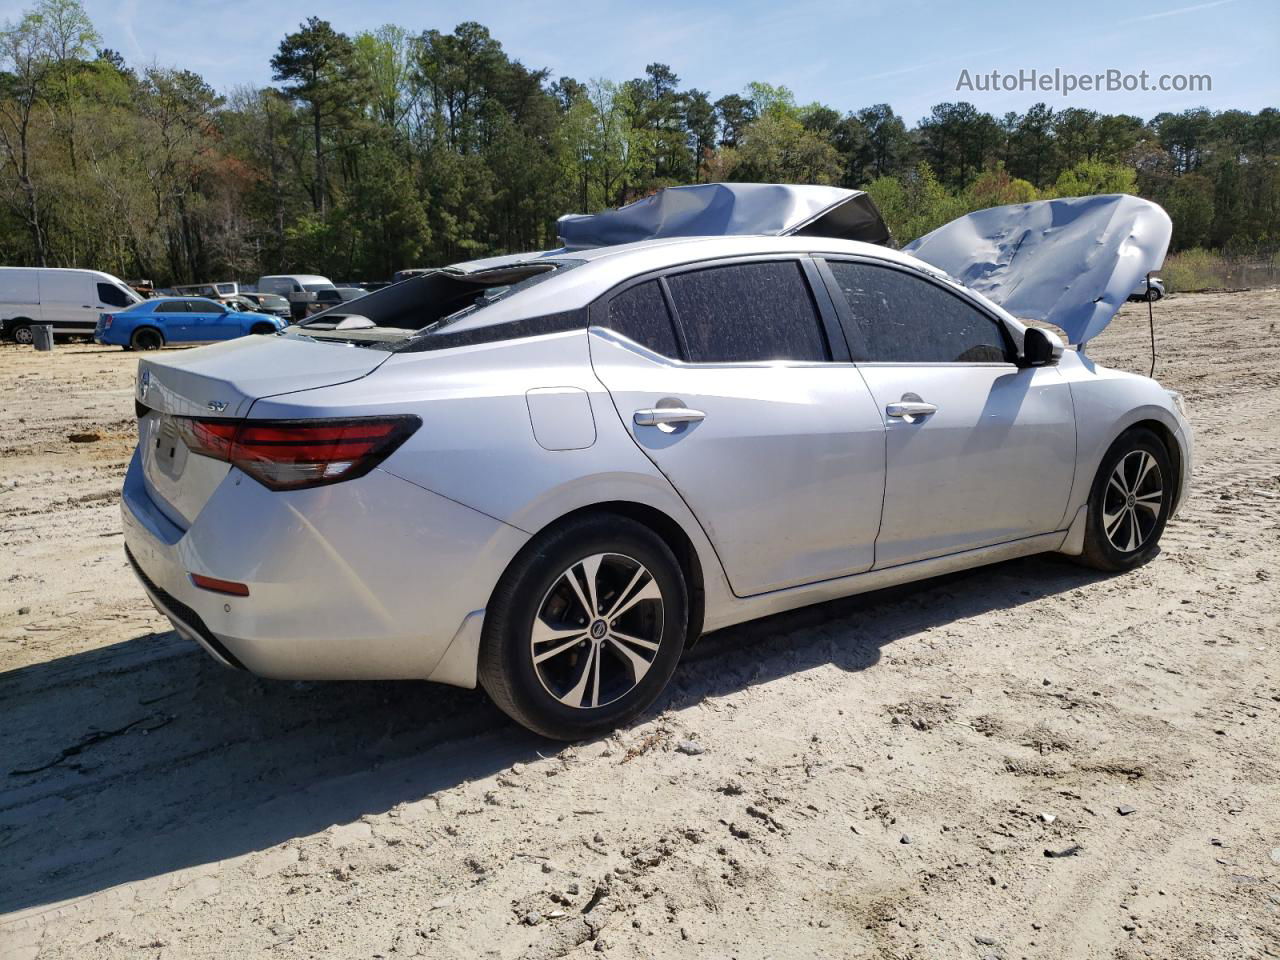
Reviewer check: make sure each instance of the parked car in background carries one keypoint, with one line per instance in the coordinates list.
(299, 289)
(332, 298)
(70, 300)
(548, 473)
(154, 323)
(214, 291)
(271, 303)
(1151, 288)
(239, 303)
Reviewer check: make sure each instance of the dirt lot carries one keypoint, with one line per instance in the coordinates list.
(1029, 760)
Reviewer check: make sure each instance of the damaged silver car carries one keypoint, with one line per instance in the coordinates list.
(548, 473)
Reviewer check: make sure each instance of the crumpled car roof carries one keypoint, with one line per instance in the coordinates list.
(1071, 262)
(728, 209)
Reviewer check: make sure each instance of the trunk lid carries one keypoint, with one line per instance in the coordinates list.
(1071, 262)
(223, 381)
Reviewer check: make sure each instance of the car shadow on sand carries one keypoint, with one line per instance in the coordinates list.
(145, 757)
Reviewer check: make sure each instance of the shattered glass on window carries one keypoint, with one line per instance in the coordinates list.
(748, 312)
(904, 319)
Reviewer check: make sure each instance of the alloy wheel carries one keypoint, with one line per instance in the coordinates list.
(597, 630)
(1133, 500)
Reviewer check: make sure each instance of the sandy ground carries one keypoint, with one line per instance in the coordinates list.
(1029, 760)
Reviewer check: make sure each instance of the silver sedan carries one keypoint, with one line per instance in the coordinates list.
(549, 473)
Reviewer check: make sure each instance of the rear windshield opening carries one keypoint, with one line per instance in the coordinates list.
(428, 302)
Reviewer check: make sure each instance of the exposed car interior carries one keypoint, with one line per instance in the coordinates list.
(423, 304)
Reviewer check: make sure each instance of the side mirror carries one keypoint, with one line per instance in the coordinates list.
(1040, 348)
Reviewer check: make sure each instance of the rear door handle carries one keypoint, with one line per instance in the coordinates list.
(659, 416)
(906, 409)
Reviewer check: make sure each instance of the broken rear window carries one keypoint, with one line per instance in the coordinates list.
(428, 303)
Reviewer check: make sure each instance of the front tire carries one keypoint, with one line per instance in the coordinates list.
(1129, 503)
(585, 628)
(22, 334)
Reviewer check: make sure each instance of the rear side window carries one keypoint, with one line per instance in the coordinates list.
(112, 295)
(748, 312)
(900, 318)
(204, 306)
(641, 314)
(171, 306)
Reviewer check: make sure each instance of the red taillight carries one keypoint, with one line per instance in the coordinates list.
(292, 454)
(210, 437)
(229, 587)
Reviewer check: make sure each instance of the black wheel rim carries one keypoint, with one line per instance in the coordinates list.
(597, 631)
(1133, 501)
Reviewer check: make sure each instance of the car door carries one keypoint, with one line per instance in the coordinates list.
(734, 380)
(67, 299)
(211, 321)
(173, 319)
(112, 298)
(978, 450)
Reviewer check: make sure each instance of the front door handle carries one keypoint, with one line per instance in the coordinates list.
(667, 416)
(908, 409)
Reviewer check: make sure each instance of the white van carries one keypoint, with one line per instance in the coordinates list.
(71, 300)
(299, 289)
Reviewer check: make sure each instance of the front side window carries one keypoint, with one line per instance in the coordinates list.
(113, 296)
(748, 312)
(640, 313)
(901, 318)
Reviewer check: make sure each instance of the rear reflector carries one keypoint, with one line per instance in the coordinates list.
(220, 586)
(293, 454)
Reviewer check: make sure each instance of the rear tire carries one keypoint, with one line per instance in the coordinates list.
(570, 673)
(146, 339)
(1129, 503)
(1152, 295)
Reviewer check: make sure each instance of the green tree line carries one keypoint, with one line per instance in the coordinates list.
(389, 149)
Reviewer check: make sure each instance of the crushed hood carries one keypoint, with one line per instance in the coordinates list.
(729, 209)
(1071, 262)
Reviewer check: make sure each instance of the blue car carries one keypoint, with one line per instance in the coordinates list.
(153, 323)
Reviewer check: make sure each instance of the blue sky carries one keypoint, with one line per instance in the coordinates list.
(846, 54)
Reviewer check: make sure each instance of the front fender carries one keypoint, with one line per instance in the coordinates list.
(1107, 403)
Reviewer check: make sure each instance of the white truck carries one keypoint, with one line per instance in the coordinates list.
(69, 300)
(299, 289)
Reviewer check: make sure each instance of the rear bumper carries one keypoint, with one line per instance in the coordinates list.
(371, 579)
